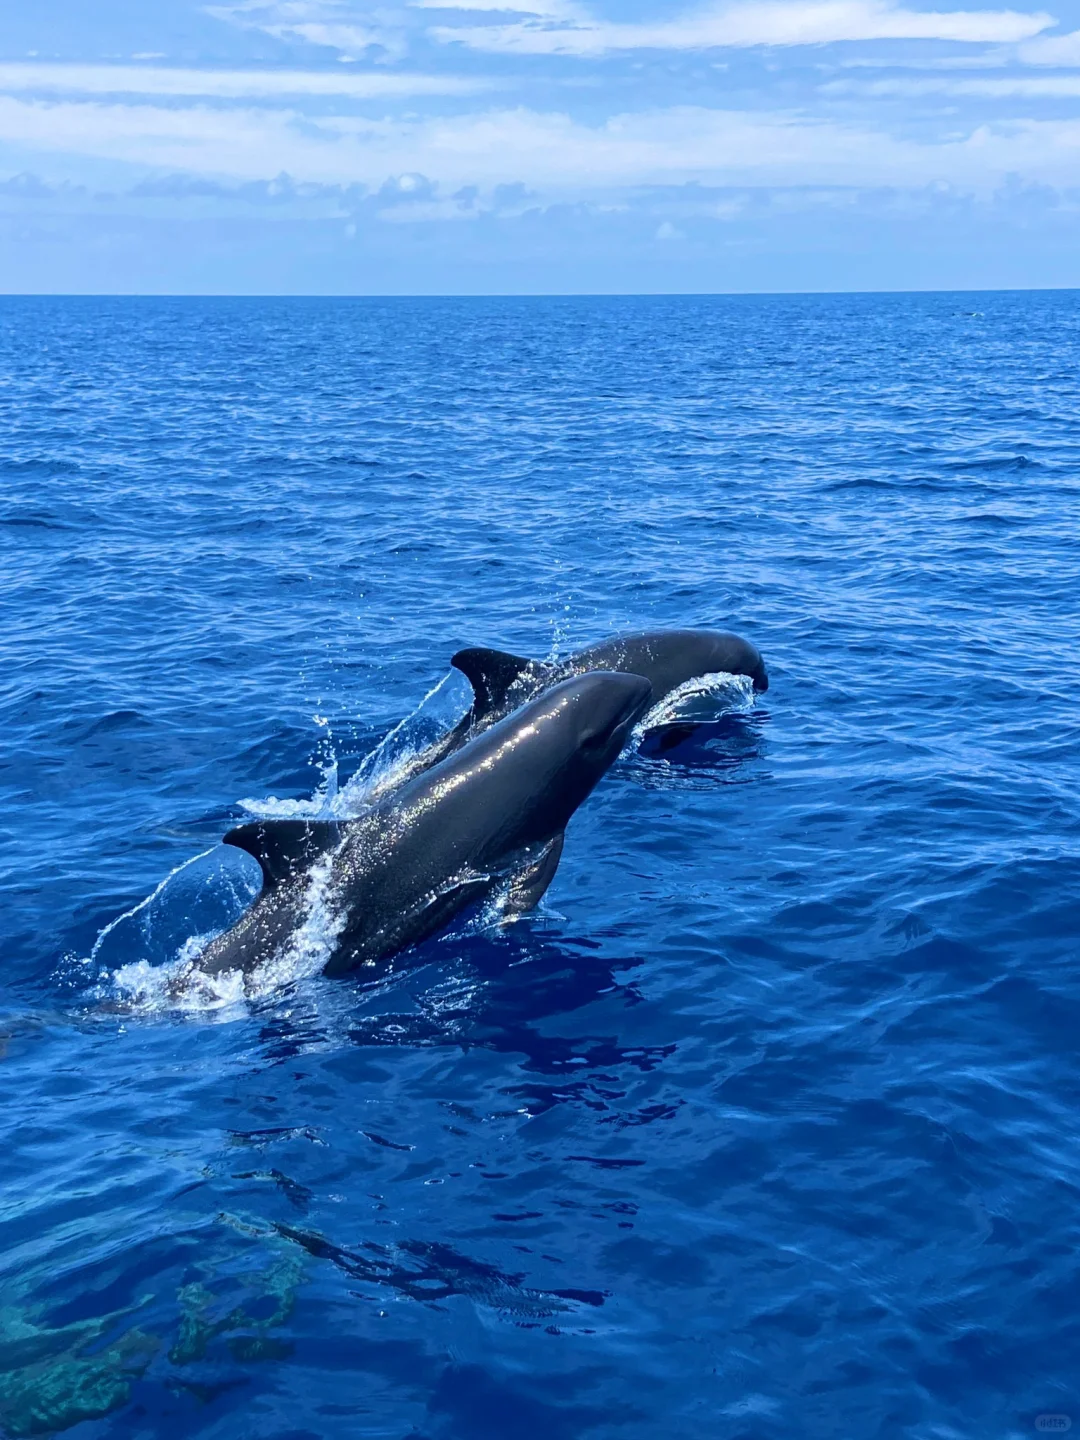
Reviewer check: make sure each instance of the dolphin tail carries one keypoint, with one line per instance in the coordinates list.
(491, 674)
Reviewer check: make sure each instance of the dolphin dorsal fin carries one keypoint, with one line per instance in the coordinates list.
(284, 846)
(491, 673)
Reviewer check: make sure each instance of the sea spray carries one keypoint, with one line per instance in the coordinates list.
(698, 700)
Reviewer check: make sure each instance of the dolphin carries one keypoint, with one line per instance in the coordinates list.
(501, 681)
(666, 658)
(491, 814)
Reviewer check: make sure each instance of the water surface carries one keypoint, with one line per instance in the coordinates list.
(766, 1124)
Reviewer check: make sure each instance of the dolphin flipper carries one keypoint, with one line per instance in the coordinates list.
(491, 674)
(283, 846)
(528, 885)
(441, 908)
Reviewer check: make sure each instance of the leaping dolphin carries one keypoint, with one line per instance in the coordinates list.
(502, 681)
(492, 813)
(666, 658)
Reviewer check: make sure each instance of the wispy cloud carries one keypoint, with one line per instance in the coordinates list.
(409, 198)
(547, 9)
(774, 22)
(1052, 50)
(331, 23)
(567, 27)
(228, 84)
(282, 190)
(26, 186)
(552, 152)
(1025, 87)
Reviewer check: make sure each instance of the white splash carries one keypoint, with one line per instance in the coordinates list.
(149, 900)
(146, 989)
(180, 985)
(311, 943)
(698, 700)
(320, 805)
(439, 710)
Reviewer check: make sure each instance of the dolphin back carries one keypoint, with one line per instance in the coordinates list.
(666, 658)
(282, 847)
(669, 658)
(493, 674)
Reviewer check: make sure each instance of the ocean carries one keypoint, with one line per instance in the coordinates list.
(764, 1125)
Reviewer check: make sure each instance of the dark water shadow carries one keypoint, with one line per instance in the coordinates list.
(494, 991)
(702, 753)
(431, 1272)
(470, 1401)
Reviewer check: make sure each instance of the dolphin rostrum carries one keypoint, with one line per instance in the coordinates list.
(491, 815)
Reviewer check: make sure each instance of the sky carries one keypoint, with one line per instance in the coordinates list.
(536, 146)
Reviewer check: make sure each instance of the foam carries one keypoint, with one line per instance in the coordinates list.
(144, 989)
(439, 710)
(699, 699)
(180, 985)
(311, 944)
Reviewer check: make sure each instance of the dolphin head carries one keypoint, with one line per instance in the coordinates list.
(734, 655)
(669, 658)
(607, 705)
(576, 731)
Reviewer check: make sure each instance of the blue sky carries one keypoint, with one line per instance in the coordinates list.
(337, 146)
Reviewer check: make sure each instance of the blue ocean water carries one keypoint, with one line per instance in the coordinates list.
(766, 1124)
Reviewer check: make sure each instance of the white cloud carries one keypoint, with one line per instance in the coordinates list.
(339, 37)
(666, 231)
(552, 153)
(426, 211)
(333, 23)
(1052, 50)
(1027, 87)
(772, 22)
(226, 84)
(550, 9)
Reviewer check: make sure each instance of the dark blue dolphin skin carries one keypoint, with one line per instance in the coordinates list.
(666, 658)
(492, 813)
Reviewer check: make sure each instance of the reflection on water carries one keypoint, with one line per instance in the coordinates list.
(430, 1272)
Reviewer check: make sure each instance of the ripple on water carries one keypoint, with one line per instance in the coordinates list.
(766, 1118)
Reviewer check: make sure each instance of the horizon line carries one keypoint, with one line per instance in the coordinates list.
(524, 294)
